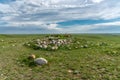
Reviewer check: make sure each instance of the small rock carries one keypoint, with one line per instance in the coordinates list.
(13, 45)
(32, 56)
(76, 72)
(3, 46)
(40, 61)
(85, 46)
(54, 48)
(69, 48)
(76, 47)
(70, 71)
(2, 40)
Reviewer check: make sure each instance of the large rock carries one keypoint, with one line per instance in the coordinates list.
(40, 61)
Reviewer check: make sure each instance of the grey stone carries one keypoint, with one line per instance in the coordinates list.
(40, 61)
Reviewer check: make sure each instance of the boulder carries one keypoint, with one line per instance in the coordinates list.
(40, 61)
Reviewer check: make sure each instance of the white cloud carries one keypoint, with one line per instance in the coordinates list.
(53, 26)
(89, 28)
(97, 1)
(47, 13)
(5, 8)
(37, 24)
(34, 12)
(117, 23)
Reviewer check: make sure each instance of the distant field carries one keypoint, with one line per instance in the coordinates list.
(97, 62)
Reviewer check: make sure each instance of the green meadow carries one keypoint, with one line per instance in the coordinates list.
(100, 60)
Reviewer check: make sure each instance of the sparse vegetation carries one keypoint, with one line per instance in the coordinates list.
(78, 57)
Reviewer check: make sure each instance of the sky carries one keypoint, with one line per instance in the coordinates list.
(59, 16)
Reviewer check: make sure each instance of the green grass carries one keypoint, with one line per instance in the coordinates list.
(92, 63)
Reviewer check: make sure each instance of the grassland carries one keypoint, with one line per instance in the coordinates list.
(92, 63)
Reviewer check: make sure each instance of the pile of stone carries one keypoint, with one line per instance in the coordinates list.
(50, 43)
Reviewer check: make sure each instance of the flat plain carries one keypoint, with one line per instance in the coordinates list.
(100, 60)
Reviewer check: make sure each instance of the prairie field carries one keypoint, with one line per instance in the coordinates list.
(95, 57)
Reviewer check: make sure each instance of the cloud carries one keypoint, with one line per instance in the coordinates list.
(5, 8)
(97, 1)
(99, 27)
(46, 14)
